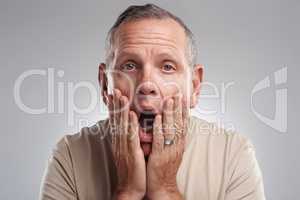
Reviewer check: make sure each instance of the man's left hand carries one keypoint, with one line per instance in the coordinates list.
(169, 131)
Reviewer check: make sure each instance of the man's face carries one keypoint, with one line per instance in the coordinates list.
(150, 66)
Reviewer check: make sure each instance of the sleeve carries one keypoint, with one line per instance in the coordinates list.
(246, 182)
(58, 181)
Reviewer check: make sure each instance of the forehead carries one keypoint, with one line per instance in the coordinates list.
(164, 33)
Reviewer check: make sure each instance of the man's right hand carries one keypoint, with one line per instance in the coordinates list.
(128, 155)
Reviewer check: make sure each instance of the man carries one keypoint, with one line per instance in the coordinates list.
(150, 147)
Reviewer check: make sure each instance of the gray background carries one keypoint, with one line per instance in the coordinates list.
(239, 41)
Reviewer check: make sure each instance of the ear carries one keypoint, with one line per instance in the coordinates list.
(102, 78)
(197, 80)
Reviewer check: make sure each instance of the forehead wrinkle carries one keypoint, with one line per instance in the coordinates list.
(147, 41)
(137, 44)
(143, 34)
(132, 45)
(151, 38)
(135, 50)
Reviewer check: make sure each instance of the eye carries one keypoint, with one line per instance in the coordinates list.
(168, 67)
(129, 66)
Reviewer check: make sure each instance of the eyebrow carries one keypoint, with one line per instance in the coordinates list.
(123, 54)
(171, 56)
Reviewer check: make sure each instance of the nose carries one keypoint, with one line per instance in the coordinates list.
(147, 85)
(147, 88)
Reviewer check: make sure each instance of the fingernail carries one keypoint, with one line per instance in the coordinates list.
(158, 117)
(116, 91)
(180, 96)
(123, 100)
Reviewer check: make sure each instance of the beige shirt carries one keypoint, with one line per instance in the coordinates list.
(217, 165)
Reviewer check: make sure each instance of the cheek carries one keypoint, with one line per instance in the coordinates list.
(124, 83)
(174, 87)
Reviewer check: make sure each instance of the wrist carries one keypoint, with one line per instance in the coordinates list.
(128, 195)
(166, 194)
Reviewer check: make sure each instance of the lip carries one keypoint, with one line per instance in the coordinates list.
(148, 109)
(145, 103)
(148, 97)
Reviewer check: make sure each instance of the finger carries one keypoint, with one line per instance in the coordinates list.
(110, 105)
(116, 114)
(185, 115)
(123, 124)
(133, 137)
(178, 123)
(124, 114)
(168, 120)
(112, 124)
(116, 100)
(158, 138)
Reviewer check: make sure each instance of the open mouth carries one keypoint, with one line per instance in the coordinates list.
(146, 120)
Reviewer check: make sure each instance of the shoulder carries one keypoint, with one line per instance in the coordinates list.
(229, 154)
(210, 140)
(200, 129)
(86, 141)
(78, 161)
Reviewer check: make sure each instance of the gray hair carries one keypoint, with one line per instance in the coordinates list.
(148, 11)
